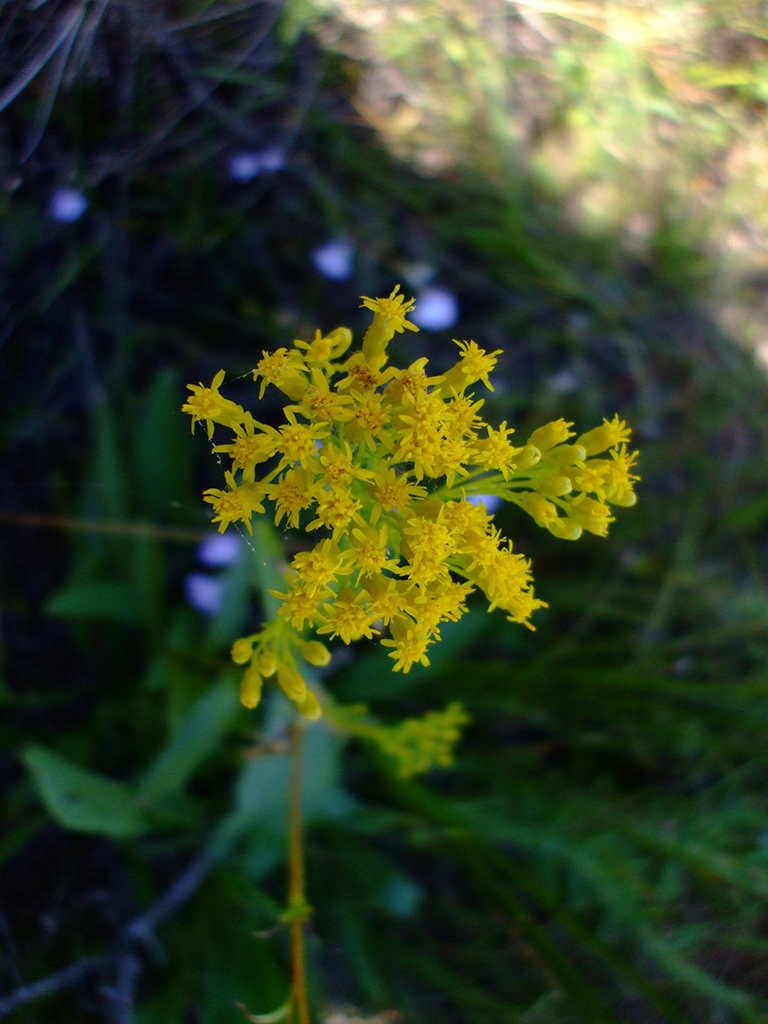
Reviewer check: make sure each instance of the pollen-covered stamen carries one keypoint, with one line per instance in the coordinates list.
(298, 441)
(323, 564)
(291, 495)
(300, 602)
(347, 617)
(360, 376)
(410, 641)
(393, 310)
(334, 510)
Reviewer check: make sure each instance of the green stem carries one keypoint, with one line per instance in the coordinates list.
(296, 900)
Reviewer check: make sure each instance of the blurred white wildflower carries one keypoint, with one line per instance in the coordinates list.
(272, 159)
(249, 164)
(206, 593)
(564, 381)
(436, 309)
(418, 275)
(220, 549)
(334, 259)
(67, 205)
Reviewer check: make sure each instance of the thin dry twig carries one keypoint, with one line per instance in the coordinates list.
(106, 526)
(53, 983)
(123, 956)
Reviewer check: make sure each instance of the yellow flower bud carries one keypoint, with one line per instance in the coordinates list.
(625, 500)
(375, 343)
(591, 515)
(566, 454)
(309, 706)
(316, 653)
(267, 663)
(535, 505)
(242, 650)
(291, 682)
(527, 457)
(554, 486)
(565, 529)
(339, 340)
(550, 434)
(250, 688)
(609, 435)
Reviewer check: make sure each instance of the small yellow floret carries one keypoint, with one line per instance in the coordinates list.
(284, 370)
(392, 310)
(208, 405)
(235, 504)
(322, 565)
(475, 365)
(410, 641)
(347, 617)
(609, 435)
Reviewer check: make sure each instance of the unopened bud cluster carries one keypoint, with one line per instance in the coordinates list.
(384, 465)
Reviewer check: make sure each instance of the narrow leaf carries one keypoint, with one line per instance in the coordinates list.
(196, 739)
(82, 800)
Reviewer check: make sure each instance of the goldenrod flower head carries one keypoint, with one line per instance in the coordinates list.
(410, 640)
(322, 349)
(392, 310)
(322, 565)
(320, 403)
(475, 365)
(551, 434)
(253, 444)
(235, 504)
(208, 405)
(291, 494)
(388, 463)
(609, 435)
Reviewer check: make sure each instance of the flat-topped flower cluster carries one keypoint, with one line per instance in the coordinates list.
(383, 466)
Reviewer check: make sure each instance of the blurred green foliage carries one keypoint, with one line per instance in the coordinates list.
(600, 850)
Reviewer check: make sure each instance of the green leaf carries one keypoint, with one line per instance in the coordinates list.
(162, 450)
(148, 578)
(199, 735)
(108, 600)
(82, 800)
(108, 466)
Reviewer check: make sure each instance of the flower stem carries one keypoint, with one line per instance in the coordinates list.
(296, 900)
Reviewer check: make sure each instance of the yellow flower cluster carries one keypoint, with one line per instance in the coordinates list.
(389, 464)
(416, 744)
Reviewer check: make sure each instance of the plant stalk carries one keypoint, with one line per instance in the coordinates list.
(296, 899)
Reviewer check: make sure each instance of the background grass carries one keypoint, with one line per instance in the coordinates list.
(599, 851)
